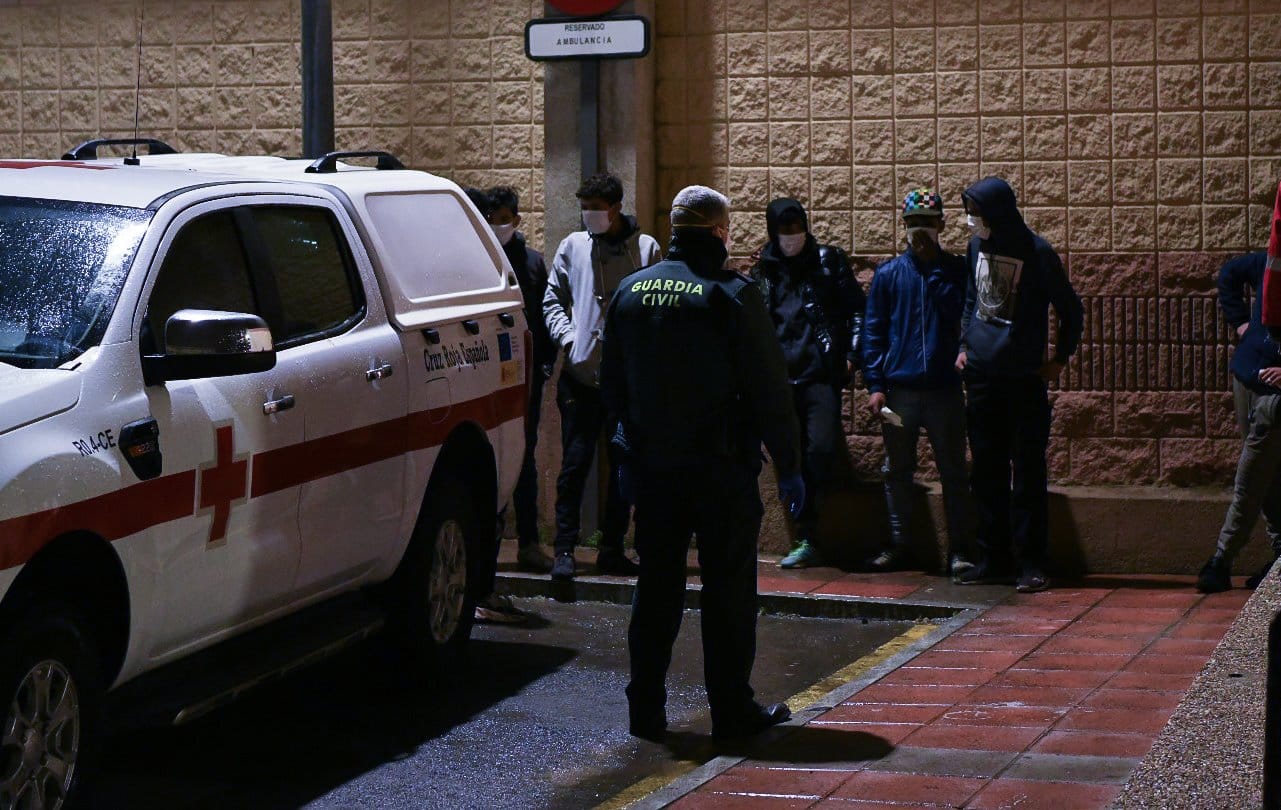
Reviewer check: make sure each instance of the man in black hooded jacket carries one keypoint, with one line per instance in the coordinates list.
(817, 307)
(1015, 276)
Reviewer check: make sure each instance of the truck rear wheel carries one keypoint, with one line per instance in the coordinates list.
(51, 692)
(440, 577)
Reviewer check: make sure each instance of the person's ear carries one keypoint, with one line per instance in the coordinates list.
(516, 221)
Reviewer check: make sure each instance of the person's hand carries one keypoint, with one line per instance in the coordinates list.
(1241, 330)
(1050, 371)
(626, 484)
(960, 362)
(849, 368)
(791, 493)
(875, 402)
(1270, 376)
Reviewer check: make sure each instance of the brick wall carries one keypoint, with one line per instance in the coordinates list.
(443, 84)
(1144, 139)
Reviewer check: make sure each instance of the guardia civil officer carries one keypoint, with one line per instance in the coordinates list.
(694, 374)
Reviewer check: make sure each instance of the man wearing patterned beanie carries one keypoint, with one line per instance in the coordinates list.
(911, 336)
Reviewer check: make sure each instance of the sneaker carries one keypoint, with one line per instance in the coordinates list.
(985, 574)
(532, 558)
(959, 565)
(891, 559)
(757, 719)
(563, 568)
(616, 563)
(1215, 576)
(497, 609)
(803, 556)
(1258, 576)
(1033, 580)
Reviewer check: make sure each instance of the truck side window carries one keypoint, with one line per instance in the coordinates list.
(205, 268)
(313, 271)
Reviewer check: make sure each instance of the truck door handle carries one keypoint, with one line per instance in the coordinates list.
(431, 335)
(472, 327)
(507, 319)
(283, 403)
(379, 372)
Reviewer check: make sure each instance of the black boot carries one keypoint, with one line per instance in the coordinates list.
(1215, 576)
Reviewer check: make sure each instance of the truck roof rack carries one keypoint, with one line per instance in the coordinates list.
(328, 164)
(89, 149)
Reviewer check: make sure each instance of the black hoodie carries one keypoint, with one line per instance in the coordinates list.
(1015, 276)
(814, 299)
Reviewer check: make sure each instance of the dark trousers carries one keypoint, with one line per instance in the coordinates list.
(1009, 426)
(818, 407)
(525, 496)
(583, 419)
(721, 505)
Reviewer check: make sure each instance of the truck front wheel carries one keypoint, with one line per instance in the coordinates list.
(51, 692)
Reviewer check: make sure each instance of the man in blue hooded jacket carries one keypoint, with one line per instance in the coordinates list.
(1015, 277)
(911, 337)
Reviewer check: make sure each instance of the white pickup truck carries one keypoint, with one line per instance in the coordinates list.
(249, 408)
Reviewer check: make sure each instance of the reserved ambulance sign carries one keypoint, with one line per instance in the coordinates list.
(600, 38)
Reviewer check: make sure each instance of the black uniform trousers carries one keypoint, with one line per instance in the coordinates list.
(818, 405)
(525, 496)
(1009, 427)
(583, 419)
(718, 502)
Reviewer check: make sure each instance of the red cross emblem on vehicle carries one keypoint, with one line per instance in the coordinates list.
(223, 484)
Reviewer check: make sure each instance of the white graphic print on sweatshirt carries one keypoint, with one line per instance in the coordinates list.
(997, 280)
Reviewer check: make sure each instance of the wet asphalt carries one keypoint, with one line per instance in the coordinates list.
(536, 718)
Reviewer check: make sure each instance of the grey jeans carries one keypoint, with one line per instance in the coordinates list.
(1258, 480)
(941, 413)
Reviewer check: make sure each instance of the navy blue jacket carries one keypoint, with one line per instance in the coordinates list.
(912, 330)
(1257, 350)
(1006, 321)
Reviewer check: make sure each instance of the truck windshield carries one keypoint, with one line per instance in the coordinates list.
(62, 265)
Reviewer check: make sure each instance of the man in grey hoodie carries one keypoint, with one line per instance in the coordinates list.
(585, 273)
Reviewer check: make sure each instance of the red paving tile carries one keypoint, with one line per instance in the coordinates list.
(1033, 613)
(700, 800)
(1184, 646)
(1042, 677)
(874, 590)
(1167, 664)
(785, 585)
(1028, 795)
(892, 733)
(940, 676)
(1151, 680)
(1233, 599)
(916, 580)
(1092, 645)
(914, 789)
(1150, 599)
(1095, 744)
(1075, 663)
(1014, 627)
(1132, 699)
(967, 659)
(970, 642)
(989, 715)
(777, 781)
(883, 713)
(882, 692)
(1128, 721)
(1199, 630)
(1126, 615)
(1214, 615)
(1060, 597)
(1027, 695)
(976, 738)
(1147, 632)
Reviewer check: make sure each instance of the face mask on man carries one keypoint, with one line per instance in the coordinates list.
(922, 237)
(978, 226)
(596, 222)
(504, 233)
(791, 243)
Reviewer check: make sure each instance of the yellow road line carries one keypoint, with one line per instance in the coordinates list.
(796, 702)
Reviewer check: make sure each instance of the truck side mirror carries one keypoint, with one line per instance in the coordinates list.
(207, 343)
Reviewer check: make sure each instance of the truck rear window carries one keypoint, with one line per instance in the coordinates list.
(62, 265)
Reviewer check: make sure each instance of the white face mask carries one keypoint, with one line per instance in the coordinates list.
(978, 226)
(596, 222)
(791, 243)
(504, 232)
(932, 233)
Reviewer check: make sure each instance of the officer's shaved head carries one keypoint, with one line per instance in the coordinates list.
(699, 207)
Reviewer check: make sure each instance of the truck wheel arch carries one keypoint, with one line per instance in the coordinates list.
(83, 570)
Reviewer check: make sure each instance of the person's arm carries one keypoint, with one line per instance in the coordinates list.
(558, 301)
(613, 371)
(853, 304)
(875, 338)
(1067, 306)
(1234, 277)
(650, 252)
(761, 376)
(945, 285)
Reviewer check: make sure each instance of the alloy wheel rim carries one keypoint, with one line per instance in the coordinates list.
(448, 585)
(40, 739)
